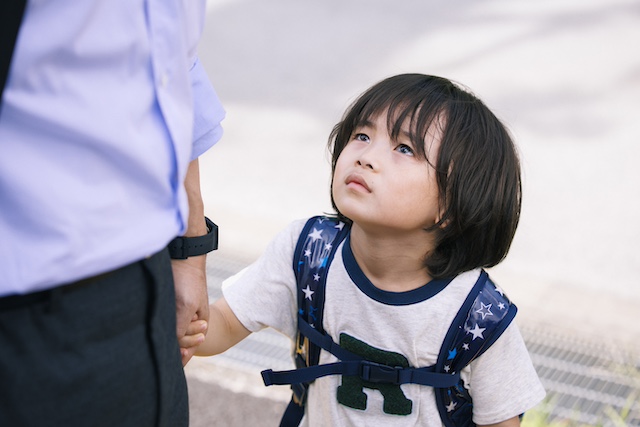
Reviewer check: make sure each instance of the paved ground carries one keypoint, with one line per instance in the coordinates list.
(238, 401)
(563, 74)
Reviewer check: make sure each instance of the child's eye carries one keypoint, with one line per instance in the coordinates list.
(404, 149)
(361, 137)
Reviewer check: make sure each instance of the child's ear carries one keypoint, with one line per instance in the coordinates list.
(440, 222)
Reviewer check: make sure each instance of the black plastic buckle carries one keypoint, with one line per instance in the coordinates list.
(379, 373)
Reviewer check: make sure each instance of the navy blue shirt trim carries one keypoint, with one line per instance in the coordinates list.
(385, 297)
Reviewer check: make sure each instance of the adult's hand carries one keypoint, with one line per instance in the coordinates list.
(192, 299)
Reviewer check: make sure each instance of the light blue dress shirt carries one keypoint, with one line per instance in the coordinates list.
(104, 108)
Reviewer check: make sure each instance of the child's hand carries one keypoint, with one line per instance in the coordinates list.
(194, 336)
(223, 331)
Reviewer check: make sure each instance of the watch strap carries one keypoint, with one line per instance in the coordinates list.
(184, 247)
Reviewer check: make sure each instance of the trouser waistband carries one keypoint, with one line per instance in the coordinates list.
(11, 302)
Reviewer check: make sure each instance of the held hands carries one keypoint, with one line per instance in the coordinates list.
(220, 333)
(194, 335)
(192, 301)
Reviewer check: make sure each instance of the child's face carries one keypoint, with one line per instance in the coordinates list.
(379, 182)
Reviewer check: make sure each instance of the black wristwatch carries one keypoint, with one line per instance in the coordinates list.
(184, 247)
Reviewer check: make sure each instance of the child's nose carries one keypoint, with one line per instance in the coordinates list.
(365, 164)
(368, 157)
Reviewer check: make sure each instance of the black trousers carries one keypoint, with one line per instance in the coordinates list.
(99, 352)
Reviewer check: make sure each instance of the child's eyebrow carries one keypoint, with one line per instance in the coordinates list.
(365, 124)
(406, 134)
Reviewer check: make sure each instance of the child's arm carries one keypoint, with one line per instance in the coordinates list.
(225, 331)
(513, 422)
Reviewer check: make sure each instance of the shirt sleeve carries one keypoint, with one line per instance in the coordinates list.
(207, 109)
(503, 382)
(265, 294)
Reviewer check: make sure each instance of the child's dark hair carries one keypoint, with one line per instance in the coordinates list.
(477, 166)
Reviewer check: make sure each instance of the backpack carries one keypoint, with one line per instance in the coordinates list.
(474, 329)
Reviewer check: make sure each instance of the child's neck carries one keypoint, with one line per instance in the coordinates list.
(392, 262)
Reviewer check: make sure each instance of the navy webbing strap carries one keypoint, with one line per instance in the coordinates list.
(325, 342)
(292, 415)
(369, 371)
(353, 365)
(11, 13)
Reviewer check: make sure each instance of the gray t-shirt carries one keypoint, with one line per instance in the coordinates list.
(502, 382)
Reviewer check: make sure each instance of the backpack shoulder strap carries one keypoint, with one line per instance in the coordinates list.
(316, 247)
(314, 252)
(483, 317)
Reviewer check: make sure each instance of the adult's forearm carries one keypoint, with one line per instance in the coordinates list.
(189, 275)
(195, 223)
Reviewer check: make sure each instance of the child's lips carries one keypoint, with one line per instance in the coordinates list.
(357, 181)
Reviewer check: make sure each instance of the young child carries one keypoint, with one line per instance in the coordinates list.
(428, 180)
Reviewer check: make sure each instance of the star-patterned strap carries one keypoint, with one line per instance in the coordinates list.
(483, 317)
(314, 251)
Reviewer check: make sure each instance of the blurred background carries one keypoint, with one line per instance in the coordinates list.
(563, 75)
